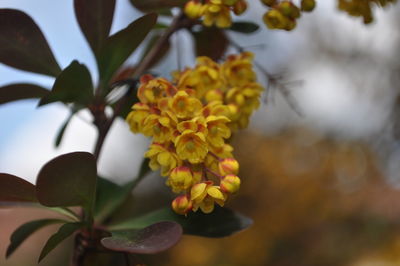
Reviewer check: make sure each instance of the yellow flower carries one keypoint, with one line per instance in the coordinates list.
(289, 10)
(204, 195)
(182, 204)
(152, 89)
(161, 157)
(158, 127)
(230, 184)
(274, 19)
(185, 106)
(239, 7)
(308, 5)
(194, 9)
(191, 146)
(217, 13)
(238, 69)
(197, 124)
(136, 117)
(217, 130)
(246, 98)
(204, 77)
(181, 178)
(228, 166)
(215, 108)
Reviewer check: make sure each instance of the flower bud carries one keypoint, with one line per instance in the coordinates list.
(230, 184)
(181, 178)
(182, 204)
(240, 7)
(289, 10)
(228, 166)
(307, 5)
(269, 3)
(193, 9)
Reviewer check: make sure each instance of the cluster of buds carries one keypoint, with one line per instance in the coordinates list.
(190, 121)
(362, 8)
(215, 12)
(283, 14)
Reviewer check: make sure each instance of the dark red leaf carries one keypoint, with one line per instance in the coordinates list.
(95, 18)
(153, 239)
(15, 189)
(211, 42)
(21, 91)
(23, 45)
(68, 180)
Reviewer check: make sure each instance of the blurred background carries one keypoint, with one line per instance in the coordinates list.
(320, 162)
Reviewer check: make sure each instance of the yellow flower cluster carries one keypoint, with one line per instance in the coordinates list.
(362, 8)
(190, 120)
(283, 14)
(215, 12)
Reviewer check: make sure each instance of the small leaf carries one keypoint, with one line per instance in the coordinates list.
(63, 128)
(121, 45)
(95, 18)
(23, 45)
(74, 84)
(211, 42)
(220, 223)
(25, 230)
(21, 91)
(244, 27)
(153, 239)
(157, 5)
(110, 196)
(65, 231)
(68, 180)
(15, 189)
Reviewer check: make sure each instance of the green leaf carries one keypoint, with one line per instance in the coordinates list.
(111, 196)
(66, 212)
(121, 45)
(21, 91)
(153, 239)
(74, 84)
(68, 180)
(16, 189)
(220, 223)
(157, 5)
(65, 231)
(95, 18)
(211, 42)
(23, 45)
(62, 129)
(244, 27)
(25, 230)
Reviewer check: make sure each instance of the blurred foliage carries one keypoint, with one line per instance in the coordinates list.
(314, 200)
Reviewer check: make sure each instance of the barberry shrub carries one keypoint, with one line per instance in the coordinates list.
(190, 118)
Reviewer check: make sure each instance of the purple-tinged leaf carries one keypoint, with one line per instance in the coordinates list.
(157, 5)
(63, 233)
(74, 84)
(95, 18)
(21, 91)
(25, 230)
(121, 45)
(68, 180)
(23, 45)
(153, 239)
(15, 189)
(211, 42)
(221, 222)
